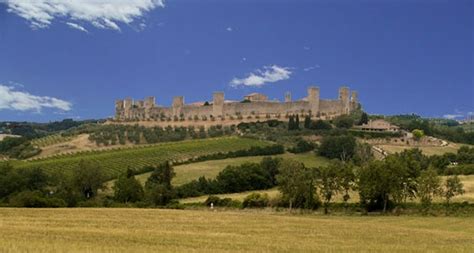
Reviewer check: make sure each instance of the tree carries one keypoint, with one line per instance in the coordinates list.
(307, 122)
(158, 186)
(338, 147)
(364, 119)
(296, 183)
(347, 178)
(321, 125)
(291, 123)
(452, 188)
(271, 165)
(127, 188)
(88, 178)
(344, 121)
(380, 182)
(297, 122)
(328, 183)
(417, 134)
(429, 186)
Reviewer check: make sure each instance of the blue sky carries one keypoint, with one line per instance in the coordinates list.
(73, 60)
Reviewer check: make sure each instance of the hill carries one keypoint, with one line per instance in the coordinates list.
(116, 161)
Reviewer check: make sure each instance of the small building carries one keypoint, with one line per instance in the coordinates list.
(378, 125)
(256, 97)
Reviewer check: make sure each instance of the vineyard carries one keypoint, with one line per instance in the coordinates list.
(50, 140)
(114, 162)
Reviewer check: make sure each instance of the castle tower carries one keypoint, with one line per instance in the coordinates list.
(149, 104)
(178, 104)
(119, 109)
(288, 96)
(218, 104)
(127, 107)
(313, 99)
(344, 98)
(354, 97)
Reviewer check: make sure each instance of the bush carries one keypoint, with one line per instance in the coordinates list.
(255, 200)
(35, 199)
(338, 147)
(320, 125)
(225, 202)
(302, 146)
(344, 121)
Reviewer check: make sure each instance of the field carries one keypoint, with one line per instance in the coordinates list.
(451, 148)
(50, 140)
(116, 161)
(154, 230)
(210, 169)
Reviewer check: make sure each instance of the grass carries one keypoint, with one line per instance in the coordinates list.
(116, 161)
(210, 169)
(452, 148)
(154, 230)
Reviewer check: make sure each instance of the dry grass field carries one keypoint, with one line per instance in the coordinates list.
(427, 150)
(154, 230)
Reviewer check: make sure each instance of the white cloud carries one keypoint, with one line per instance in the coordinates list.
(229, 29)
(452, 116)
(76, 26)
(104, 14)
(311, 68)
(269, 74)
(12, 99)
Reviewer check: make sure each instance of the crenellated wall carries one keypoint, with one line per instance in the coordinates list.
(128, 110)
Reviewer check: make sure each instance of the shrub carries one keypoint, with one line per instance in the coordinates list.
(302, 146)
(255, 200)
(35, 199)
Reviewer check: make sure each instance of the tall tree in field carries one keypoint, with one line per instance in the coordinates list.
(158, 186)
(452, 188)
(328, 182)
(291, 123)
(347, 179)
(297, 122)
(88, 178)
(127, 188)
(296, 183)
(429, 186)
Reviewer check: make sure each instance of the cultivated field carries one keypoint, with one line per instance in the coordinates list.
(116, 161)
(154, 230)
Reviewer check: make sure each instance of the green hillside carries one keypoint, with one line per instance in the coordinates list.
(115, 161)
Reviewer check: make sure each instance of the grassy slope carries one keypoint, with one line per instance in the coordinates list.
(210, 169)
(153, 230)
(116, 161)
(451, 148)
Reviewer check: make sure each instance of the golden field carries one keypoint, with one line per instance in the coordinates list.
(155, 230)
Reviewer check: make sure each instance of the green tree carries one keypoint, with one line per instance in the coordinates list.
(347, 179)
(429, 186)
(364, 119)
(338, 147)
(291, 123)
(328, 183)
(344, 121)
(88, 178)
(297, 122)
(417, 134)
(296, 183)
(321, 125)
(307, 122)
(127, 188)
(452, 188)
(158, 186)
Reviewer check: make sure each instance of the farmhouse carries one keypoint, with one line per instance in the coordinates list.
(378, 125)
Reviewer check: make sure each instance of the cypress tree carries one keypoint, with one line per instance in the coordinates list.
(297, 122)
(291, 123)
(307, 122)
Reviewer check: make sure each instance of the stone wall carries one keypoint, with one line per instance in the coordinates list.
(146, 110)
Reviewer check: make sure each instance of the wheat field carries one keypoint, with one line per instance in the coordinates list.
(155, 230)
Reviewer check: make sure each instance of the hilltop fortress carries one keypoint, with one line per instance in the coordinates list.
(253, 106)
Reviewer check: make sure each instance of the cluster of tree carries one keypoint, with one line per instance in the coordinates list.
(245, 177)
(294, 122)
(18, 147)
(381, 185)
(461, 162)
(120, 134)
(444, 129)
(302, 146)
(32, 130)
